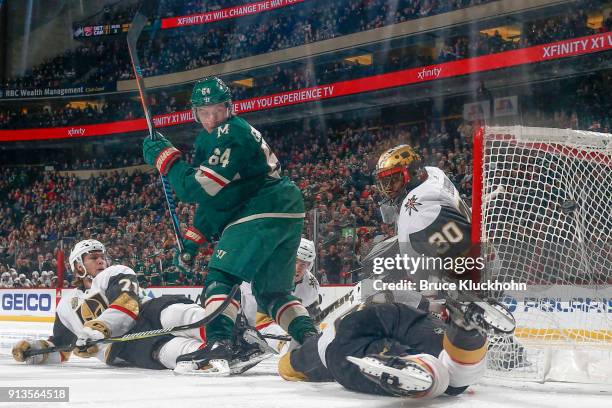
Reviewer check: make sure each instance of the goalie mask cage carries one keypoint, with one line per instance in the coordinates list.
(542, 205)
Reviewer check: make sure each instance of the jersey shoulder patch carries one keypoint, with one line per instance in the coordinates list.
(439, 187)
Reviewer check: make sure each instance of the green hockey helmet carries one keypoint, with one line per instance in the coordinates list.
(210, 91)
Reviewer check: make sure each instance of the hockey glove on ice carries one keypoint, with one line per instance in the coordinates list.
(160, 153)
(23, 345)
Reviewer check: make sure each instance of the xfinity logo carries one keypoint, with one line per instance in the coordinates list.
(429, 73)
(26, 301)
(76, 131)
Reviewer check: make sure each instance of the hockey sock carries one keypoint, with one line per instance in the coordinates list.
(464, 346)
(218, 285)
(463, 356)
(292, 316)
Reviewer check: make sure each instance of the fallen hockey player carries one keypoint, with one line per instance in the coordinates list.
(400, 350)
(109, 303)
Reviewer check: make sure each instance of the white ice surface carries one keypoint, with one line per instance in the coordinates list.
(95, 385)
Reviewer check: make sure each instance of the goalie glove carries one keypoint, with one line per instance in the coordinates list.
(160, 153)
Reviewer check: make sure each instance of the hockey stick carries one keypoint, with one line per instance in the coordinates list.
(144, 334)
(378, 250)
(138, 24)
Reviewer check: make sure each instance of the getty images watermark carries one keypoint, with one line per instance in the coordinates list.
(422, 264)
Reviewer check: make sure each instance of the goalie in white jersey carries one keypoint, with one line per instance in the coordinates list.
(431, 218)
(306, 290)
(107, 303)
(397, 347)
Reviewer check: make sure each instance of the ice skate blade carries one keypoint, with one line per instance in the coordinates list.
(252, 337)
(215, 368)
(412, 378)
(239, 367)
(497, 317)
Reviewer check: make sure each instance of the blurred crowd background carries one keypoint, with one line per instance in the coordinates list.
(45, 207)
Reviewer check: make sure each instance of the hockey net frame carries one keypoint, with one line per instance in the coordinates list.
(544, 348)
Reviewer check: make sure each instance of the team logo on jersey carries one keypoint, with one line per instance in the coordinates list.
(220, 253)
(222, 130)
(91, 308)
(411, 204)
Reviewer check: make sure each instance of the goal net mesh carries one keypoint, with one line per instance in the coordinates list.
(546, 205)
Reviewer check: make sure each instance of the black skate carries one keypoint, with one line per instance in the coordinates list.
(250, 350)
(485, 315)
(213, 360)
(399, 376)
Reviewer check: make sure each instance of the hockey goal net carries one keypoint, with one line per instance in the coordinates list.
(542, 212)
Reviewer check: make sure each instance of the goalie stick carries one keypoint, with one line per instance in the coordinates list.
(144, 334)
(138, 24)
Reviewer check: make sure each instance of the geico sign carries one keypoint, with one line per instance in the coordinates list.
(27, 301)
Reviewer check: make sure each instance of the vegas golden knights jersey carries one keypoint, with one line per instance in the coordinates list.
(114, 299)
(433, 220)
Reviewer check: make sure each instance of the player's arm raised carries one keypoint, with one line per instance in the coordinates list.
(199, 184)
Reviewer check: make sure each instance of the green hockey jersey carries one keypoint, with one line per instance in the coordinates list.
(237, 179)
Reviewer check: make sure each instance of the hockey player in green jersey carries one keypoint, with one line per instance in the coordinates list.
(242, 199)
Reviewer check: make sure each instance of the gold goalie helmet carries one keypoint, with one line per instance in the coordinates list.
(397, 168)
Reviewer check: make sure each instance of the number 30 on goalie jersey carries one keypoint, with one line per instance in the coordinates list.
(433, 219)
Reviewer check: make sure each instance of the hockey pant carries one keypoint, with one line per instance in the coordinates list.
(458, 356)
(160, 352)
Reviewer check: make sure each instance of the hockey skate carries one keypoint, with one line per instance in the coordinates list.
(399, 376)
(485, 315)
(213, 360)
(226, 357)
(251, 350)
